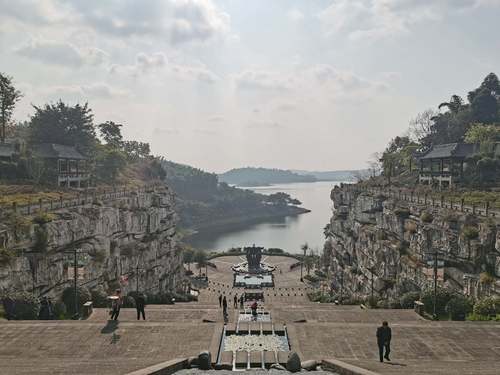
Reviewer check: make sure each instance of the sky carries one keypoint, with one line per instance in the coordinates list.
(219, 84)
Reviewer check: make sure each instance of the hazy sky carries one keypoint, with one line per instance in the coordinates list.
(228, 83)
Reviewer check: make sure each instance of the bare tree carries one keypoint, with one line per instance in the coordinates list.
(421, 125)
(375, 164)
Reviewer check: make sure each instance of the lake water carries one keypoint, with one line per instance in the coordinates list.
(287, 233)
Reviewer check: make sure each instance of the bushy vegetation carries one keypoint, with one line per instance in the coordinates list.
(407, 300)
(487, 307)
(426, 217)
(458, 307)
(476, 120)
(25, 306)
(443, 297)
(470, 232)
(108, 154)
(68, 298)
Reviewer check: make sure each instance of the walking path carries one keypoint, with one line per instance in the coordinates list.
(316, 331)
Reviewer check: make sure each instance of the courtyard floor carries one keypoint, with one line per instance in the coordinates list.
(316, 331)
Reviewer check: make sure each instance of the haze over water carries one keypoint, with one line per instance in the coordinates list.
(287, 233)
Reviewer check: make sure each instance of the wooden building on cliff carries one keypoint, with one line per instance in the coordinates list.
(444, 164)
(69, 167)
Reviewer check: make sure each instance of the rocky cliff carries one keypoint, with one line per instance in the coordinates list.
(121, 242)
(393, 242)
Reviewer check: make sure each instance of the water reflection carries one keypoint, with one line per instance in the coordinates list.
(287, 233)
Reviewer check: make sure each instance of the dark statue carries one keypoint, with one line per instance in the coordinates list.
(254, 256)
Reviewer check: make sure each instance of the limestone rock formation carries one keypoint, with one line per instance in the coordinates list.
(124, 243)
(392, 242)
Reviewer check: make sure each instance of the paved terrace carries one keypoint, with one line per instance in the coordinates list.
(342, 332)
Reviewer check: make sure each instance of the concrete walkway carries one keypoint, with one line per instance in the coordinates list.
(346, 333)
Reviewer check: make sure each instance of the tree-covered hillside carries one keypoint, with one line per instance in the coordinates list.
(475, 120)
(203, 201)
(250, 176)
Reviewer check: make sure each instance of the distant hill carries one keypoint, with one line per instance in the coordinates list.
(250, 176)
(203, 201)
(347, 175)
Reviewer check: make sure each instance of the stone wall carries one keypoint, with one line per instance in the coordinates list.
(114, 237)
(379, 237)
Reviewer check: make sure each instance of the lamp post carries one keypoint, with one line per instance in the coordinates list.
(435, 262)
(76, 252)
(304, 249)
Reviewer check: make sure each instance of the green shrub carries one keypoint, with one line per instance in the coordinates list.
(60, 310)
(41, 239)
(458, 307)
(68, 298)
(25, 305)
(275, 250)
(43, 218)
(311, 278)
(402, 213)
(477, 318)
(470, 233)
(487, 306)
(372, 302)
(426, 217)
(6, 256)
(99, 298)
(443, 296)
(407, 300)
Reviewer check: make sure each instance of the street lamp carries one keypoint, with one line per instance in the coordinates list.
(304, 248)
(76, 262)
(435, 263)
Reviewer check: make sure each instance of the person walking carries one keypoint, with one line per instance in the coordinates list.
(116, 305)
(235, 301)
(224, 305)
(384, 335)
(220, 300)
(254, 307)
(140, 303)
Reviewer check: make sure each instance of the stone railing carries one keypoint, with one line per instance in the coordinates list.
(411, 196)
(80, 198)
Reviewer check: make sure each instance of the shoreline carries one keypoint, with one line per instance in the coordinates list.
(235, 222)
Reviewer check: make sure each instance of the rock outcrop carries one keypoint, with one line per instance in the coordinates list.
(390, 244)
(123, 243)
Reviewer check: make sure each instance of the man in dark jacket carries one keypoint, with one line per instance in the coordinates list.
(140, 303)
(384, 336)
(220, 300)
(224, 304)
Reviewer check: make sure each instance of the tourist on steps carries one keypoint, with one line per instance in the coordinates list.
(253, 307)
(384, 336)
(224, 304)
(140, 303)
(236, 301)
(116, 305)
(242, 301)
(220, 300)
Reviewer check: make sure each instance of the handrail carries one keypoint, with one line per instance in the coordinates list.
(409, 195)
(81, 198)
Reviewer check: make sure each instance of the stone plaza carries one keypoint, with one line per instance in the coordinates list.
(315, 331)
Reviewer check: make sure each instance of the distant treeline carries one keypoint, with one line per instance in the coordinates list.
(251, 176)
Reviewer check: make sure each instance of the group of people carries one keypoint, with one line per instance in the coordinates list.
(117, 303)
(236, 300)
